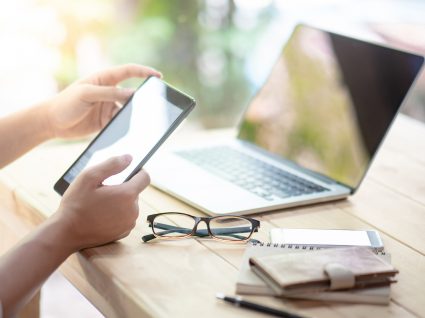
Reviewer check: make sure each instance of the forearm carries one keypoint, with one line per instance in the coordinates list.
(22, 131)
(24, 268)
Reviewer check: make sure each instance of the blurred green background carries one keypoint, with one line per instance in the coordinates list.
(201, 47)
(218, 51)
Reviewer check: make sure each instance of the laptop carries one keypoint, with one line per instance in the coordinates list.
(309, 134)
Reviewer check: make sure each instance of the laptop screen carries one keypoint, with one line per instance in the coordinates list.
(329, 101)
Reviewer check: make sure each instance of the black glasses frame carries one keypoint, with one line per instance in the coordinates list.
(231, 232)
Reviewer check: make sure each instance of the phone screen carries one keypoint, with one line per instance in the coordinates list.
(324, 237)
(136, 129)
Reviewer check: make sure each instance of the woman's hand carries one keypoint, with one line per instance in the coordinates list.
(92, 214)
(87, 105)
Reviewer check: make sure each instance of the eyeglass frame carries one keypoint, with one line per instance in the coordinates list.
(150, 218)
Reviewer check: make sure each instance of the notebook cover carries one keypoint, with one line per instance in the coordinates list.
(295, 272)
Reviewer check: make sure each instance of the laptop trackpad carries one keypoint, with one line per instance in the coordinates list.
(192, 184)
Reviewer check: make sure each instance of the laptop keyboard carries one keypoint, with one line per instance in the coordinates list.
(249, 173)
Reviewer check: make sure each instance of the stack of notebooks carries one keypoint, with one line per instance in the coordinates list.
(346, 274)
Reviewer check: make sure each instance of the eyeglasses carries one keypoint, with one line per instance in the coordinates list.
(176, 225)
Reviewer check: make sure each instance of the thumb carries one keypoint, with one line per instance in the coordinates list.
(97, 174)
(138, 182)
(94, 93)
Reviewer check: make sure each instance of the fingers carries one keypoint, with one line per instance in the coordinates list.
(123, 235)
(116, 74)
(115, 110)
(138, 182)
(108, 111)
(93, 93)
(97, 174)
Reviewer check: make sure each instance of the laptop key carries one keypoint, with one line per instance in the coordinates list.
(281, 194)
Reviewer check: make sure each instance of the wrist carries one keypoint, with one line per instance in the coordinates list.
(39, 128)
(42, 113)
(69, 230)
(58, 236)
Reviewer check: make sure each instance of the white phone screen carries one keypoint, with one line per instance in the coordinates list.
(320, 237)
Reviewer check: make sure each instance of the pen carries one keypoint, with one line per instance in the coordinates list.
(237, 301)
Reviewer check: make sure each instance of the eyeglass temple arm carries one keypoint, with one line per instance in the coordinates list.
(150, 237)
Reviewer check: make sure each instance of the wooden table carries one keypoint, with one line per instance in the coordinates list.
(180, 278)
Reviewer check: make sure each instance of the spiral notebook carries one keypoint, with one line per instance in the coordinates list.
(249, 283)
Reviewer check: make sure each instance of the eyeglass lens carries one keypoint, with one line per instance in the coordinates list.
(230, 228)
(173, 225)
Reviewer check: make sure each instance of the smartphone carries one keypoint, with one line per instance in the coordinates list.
(139, 128)
(368, 238)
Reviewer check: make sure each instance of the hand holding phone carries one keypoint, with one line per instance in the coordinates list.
(138, 129)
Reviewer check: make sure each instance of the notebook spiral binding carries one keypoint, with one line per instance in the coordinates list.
(305, 247)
